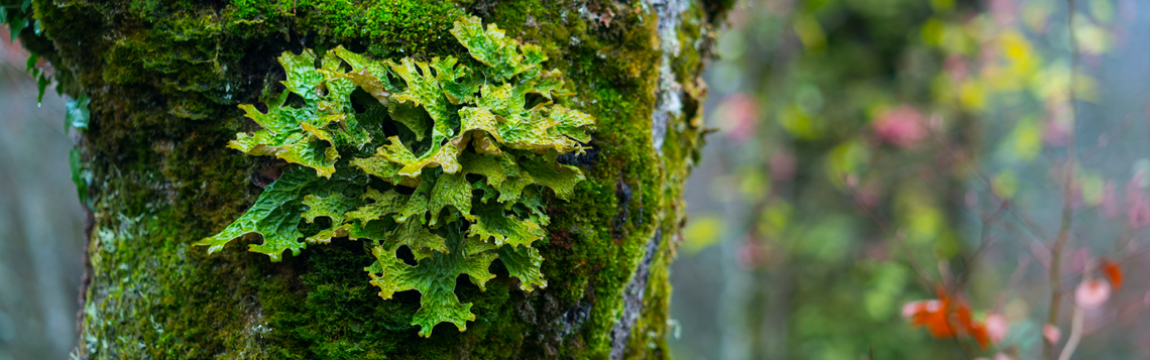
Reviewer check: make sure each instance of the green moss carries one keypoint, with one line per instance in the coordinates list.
(165, 77)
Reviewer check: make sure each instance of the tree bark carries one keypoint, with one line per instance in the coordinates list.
(164, 79)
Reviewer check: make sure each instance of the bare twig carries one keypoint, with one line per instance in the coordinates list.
(1068, 196)
(1075, 334)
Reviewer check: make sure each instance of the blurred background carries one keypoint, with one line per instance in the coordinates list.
(890, 179)
(41, 219)
(874, 155)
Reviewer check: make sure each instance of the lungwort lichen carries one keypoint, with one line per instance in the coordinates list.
(449, 161)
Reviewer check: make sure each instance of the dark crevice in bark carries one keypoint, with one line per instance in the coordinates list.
(558, 325)
(585, 160)
(633, 299)
(624, 195)
(86, 277)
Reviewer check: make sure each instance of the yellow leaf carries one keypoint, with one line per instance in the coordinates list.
(810, 32)
(972, 95)
(1027, 139)
(1005, 184)
(1093, 188)
(701, 233)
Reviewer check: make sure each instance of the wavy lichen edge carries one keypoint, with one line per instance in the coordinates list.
(462, 159)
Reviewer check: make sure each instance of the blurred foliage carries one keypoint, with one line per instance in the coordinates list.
(875, 149)
(831, 113)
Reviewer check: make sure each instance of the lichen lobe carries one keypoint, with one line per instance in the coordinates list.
(459, 183)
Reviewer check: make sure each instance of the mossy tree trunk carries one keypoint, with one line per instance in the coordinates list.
(164, 79)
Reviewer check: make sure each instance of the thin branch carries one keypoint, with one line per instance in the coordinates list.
(1075, 334)
(1068, 192)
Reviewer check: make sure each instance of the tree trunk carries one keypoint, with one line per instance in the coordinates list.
(164, 79)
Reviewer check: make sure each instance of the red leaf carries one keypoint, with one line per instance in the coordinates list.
(945, 318)
(967, 324)
(1112, 272)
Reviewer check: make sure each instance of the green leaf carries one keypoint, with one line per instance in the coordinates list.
(501, 172)
(550, 173)
(42, 82)
(457, 82)
(18, 24)
(423, 90)
(548, 83)
(501, 113)
(294, 149)
(377, 167)
(494, 49)
(524, 263)
(417, 203)
(434, 278)
(334, 207)
(495, 224)
(411, 116)
(495, 168)
(484, 144)
(510, 177)
(488, 191)
(381, 205)
(540, 132)
(275, 215)
(572, 123)
(451, 190)
(298, 134)
(417, 238)
(302, 79)
(31, 62)
(369, 75)
(445, 156)
(480, 119)
(504, 100)
(75, 160)
(77, 113)
(532, 206)
(370, 230)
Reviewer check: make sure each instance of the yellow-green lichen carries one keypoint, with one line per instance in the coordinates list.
(509, 143)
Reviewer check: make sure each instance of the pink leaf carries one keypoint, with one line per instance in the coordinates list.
(914, 307)
(1051, 333)
(903, 126)
(997, 327)
(750, 255)
(1092, 293)
(783, 166)
(738, 117)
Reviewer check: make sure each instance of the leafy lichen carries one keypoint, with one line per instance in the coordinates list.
(451, 132)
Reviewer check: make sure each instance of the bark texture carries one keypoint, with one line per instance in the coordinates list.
(165, 78)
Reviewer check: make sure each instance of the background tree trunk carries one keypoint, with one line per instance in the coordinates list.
(164, 80)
